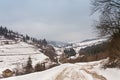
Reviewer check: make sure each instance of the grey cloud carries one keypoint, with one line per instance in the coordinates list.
(52, 19)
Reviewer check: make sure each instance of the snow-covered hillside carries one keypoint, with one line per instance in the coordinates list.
(78, 71)
(78, 45)
(16, 54)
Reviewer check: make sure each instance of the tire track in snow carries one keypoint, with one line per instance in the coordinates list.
(80, 72)
(95, 75)
(70, 73)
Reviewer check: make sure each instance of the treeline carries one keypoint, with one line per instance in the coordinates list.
(10, 34)
(94, 49)
(87, 54)
(69, 52)
(94, 52)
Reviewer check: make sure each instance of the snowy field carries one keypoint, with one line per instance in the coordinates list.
(15, 55)
(78, 71)
(19, 48)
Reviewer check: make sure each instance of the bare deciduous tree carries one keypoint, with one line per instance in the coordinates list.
(109, 24)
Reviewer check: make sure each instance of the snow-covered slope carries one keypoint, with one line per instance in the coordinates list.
(88, 43)
(78, 71)
(78, 45)
(18, 48)
(16, 54)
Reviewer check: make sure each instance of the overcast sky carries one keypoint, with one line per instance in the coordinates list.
(59, 20)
